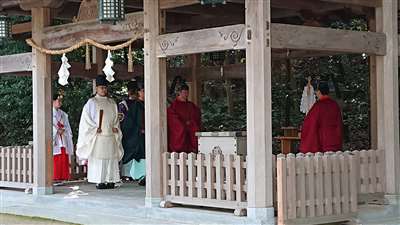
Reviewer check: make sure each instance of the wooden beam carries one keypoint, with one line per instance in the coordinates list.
(16, 63)
(42, 108)
(366, 3)
(63, 36)
(259, 111)
(168, 4)
(29, 4)
(206, 40)
(284, 36)
(21, 28)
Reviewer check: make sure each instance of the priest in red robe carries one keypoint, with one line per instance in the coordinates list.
(184, 120)
(323, 126)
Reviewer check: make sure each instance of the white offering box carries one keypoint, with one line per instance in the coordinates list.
(227, 142)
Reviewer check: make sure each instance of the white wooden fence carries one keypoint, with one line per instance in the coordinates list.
(213, 180)
(316, 188)
(371, 171)
(16, 166)
(205, 180)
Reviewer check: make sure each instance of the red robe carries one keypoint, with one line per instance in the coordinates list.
(184, 120)
(322, 127)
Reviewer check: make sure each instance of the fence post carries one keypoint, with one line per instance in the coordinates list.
(219, 181)
(182, 174)
(301, 185)
(174, 157)
(282, 188)
(291, 186)
(345, 195)
(200, 176)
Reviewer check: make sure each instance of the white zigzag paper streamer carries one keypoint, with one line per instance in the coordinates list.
(108, 71)
(63, 72)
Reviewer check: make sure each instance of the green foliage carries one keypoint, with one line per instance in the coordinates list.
(15, 110)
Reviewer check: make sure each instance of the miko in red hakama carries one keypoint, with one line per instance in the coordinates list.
(61, 166)
(322, 128)
(61, 159)
(184, 120)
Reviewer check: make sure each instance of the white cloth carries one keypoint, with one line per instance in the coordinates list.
(307, 99)
(103, 171)
(65, 140)
(63, 72)
(108, 71)
(103, 150)
(88, 137)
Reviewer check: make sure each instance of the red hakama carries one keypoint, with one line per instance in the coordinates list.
(61, 166)
(184, 120)
(322, 127)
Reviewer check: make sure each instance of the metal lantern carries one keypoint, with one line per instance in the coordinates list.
(217, 58)
(5, 27)
(111, 10)
(212, 2)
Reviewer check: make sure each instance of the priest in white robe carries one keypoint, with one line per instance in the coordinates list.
(99, 139)
(63, 146)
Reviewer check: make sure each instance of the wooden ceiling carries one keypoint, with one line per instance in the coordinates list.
(190, 14)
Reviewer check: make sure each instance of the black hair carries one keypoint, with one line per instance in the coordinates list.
(323, 87)
(55, 96)
(183, 87)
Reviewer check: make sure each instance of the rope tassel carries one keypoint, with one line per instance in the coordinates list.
(130, 60)
(88, 64)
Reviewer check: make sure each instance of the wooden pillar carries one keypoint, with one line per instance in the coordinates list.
(155, 81)
(373, 94)
(387, 95)
(98, 59)
(42, 108)
(195, 84)
(259, 111)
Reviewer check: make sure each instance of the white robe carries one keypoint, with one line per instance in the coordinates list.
(65, 140)
(103, 150)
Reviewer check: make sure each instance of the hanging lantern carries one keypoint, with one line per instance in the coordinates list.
(217, 58)
(212, 2)
(111, 10)
(5, 27)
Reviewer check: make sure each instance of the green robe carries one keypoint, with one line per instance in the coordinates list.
(133, 133)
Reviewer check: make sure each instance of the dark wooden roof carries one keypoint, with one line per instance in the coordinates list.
(192, 15)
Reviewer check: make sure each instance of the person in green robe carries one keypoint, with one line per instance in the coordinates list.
(133, 141)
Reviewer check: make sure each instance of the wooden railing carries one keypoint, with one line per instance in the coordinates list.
(318, 188)
(213, 180)
(205, 180)
(371, 171)
(16, 166)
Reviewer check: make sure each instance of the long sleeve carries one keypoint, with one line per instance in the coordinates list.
(68, 135)
(310, 131)
(87, 130)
